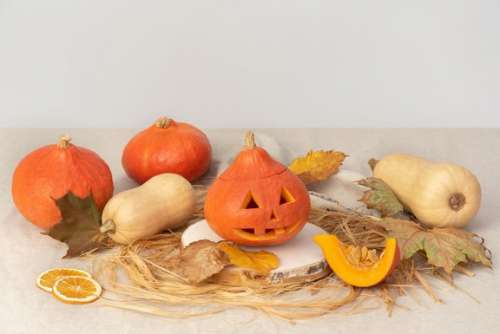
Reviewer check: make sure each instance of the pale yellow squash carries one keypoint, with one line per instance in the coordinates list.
(166, 201)
(438, 194)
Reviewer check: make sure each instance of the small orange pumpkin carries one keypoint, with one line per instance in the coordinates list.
(257, 201)
(52, 171)
(167, 147)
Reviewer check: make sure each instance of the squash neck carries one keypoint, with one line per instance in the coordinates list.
(456, 201)
(107, 227)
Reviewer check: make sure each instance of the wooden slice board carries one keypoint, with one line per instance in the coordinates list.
(300, 258)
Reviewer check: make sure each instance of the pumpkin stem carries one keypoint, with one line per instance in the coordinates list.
(456, 201)
(250, 140)
(107, 227)
(64, 141)
(163, 122)
(372, 163)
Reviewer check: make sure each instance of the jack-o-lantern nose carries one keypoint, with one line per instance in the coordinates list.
(273, 216)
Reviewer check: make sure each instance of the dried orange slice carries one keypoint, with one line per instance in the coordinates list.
(76, 289)
(46, 280)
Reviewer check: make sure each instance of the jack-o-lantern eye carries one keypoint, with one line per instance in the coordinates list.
(286, 197)
(249, 202)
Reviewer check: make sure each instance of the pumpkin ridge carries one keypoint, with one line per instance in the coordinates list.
(89, 169)
(56, 154)
(23, 174)
(92, 175)
(78, 175)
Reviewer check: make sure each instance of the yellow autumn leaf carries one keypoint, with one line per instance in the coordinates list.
(317, 165)
(261, 262)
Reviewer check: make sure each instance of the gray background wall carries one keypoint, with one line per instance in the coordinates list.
(257, 63)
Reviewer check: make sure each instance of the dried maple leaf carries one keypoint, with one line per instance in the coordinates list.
(443, 247)
(317, 165)
(261, 262)
(80, 225)
(198, 261)
(380, 197)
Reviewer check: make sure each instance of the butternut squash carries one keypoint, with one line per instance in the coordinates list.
(165, 201)
(438, 194)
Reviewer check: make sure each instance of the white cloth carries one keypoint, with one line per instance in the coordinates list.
(25, 253)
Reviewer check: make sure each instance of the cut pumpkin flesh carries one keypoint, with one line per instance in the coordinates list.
(358, 266)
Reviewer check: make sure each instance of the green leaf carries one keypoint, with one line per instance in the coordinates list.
(380, 197)
(443, 247)
(80, 225)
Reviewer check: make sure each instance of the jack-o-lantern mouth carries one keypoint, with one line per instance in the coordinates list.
(270, 233)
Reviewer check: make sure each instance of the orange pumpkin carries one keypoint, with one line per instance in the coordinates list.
(257, 201)
(167, 147)
(52, 171)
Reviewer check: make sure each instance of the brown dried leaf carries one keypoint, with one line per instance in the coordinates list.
(444, 247)
(380, 197)
(317, 165)
(261, 262)
(198, 261)
(80, 225)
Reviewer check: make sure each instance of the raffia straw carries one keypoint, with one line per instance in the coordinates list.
(420, 278)
(135, 278)
(213, 297)
(461, 269)
(449, 280)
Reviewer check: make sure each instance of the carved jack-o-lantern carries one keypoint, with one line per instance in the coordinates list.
(257, 201)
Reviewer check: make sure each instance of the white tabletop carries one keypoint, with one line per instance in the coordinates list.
(25, 253)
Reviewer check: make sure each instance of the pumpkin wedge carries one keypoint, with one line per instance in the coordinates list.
(358, 266)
